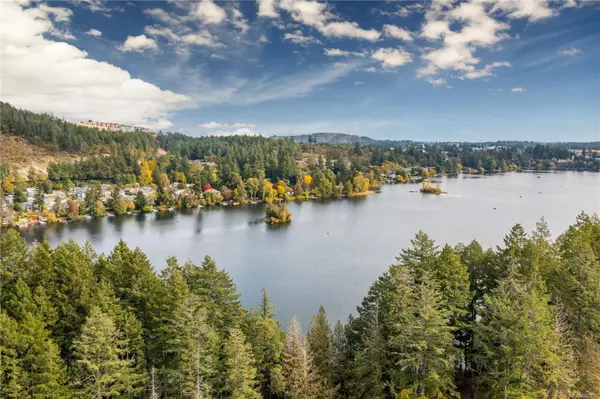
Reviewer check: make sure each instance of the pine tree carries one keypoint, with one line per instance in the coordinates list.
(339, 356)
(369, 364)
(101, 369)
(300, 380)
(424, 340)
(319, 342)
(518, 351)
(217, 292)
(190, 344)
(264, 333)
(241, 374)
(14, 253)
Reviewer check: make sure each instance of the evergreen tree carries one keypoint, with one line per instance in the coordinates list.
(369, 364)
(217, 292)
(518, 349)
(424, 341)
(319, 342)
(267, 339)
(300, 379)
(241, 374)
(339, 356)
(101, 369)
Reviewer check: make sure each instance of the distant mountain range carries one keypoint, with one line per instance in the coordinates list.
(343, 138)
(349, 139)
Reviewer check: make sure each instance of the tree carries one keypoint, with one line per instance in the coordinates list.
(319, 342)
(301, 383)
(241, 373)
(38, 201)
(519, 351)
(140, 201)
(267, 339)
(424, 342)
(217, 293)
(252, 185)
(102, 370)
(368, 366)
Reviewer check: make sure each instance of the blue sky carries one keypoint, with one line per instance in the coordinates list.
(441, 70)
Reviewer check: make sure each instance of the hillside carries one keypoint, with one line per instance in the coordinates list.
(22, 155)
(346, 139)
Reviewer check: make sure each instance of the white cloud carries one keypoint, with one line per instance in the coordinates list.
(570, 51)
(267, 9)
(334, 52)
(219, 125)
(209, 13)
(318, 15)
(391, 57)
(397, 33)
(239, 21)
(486, 71)
(298, 37)
(138, 44)
(349, 30)
(531, 10)
(44, 75)
(263, 39)
(460, 29)
(437, 82)
(94, 32)
(358, 83)
(517, 90)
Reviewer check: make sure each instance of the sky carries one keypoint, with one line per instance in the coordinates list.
(440, 70)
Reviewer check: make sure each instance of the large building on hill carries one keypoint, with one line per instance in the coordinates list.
(115, 127)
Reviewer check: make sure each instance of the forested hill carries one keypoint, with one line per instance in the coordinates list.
(518, 321)
(52, 133)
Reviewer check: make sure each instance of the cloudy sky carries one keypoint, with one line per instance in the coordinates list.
(441, 70)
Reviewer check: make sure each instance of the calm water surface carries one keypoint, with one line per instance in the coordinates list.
(332, 251)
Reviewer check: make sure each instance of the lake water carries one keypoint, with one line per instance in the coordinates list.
(332, 251)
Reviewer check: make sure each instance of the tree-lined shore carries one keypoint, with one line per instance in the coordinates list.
(518, 321)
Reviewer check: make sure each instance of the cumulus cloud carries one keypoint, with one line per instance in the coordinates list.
(318, 15)
(209, 13)
(298, 37)
(485, 71)
(517, 90)
(267, 9)
(138, 44)
(334, 52)
(349, 30)
(392, 57)
(219, 125)
(44, 75)
(94, 32)
(570, 51)
(397, 33)
(460, 29)
(239, 21)
(359, 83)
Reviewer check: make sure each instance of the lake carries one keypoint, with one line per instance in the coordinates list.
(333, 251)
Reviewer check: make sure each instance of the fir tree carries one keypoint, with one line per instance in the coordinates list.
(241, 374)
(101, 369)
(319, 342)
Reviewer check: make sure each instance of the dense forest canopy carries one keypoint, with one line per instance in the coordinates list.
(518, 321)
(118, 156)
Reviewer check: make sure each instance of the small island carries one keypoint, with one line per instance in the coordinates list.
(277, 213)
(427, 188)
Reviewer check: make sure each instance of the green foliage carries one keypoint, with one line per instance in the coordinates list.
(520, 321)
